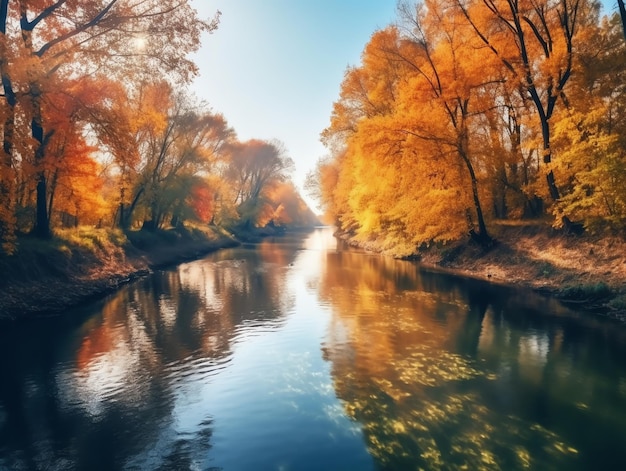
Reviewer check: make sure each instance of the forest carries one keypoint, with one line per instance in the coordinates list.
(99, 127)
(464, 114)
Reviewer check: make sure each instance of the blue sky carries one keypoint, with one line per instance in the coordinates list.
(274, 67)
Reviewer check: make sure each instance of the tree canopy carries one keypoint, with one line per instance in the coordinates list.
(465, 112)
(98, 126)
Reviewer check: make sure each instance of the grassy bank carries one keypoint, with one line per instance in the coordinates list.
(47, 277)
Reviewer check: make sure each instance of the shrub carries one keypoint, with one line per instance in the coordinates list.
(589, 292)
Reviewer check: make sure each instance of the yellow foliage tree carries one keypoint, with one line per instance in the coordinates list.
(536, 42)
(593, 165)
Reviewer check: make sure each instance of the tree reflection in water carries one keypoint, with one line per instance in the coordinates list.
(446, 373)
(217, 362)
(120, 387)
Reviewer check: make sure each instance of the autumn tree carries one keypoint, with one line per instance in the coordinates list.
(461, 107)
(447, 77)
(402, 131)
(73, 174)
(367, 93)
(69, 163)
(254, 167)
(118, 124)
(176, 141)
(536, 42)
(319, 185)
(593, 165)
(286, 208)
(201, 201)
(45, 39)
(591, 157)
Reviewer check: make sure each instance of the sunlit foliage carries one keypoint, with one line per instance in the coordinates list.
(254, 168)
(98, 127)
(464, 112)
(45, 46)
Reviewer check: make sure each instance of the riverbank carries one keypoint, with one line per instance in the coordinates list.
(586, 271)
(48, 278)
(78, 265)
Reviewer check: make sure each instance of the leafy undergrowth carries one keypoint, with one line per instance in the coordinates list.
(78, 264)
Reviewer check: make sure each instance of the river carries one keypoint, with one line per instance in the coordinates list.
(293, 354)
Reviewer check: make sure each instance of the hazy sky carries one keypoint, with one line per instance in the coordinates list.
(274, 67)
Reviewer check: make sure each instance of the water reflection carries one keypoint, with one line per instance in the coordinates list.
(295, 354)
(114, 390)
(446, 373)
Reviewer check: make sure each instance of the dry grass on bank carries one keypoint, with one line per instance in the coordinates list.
(586, 269)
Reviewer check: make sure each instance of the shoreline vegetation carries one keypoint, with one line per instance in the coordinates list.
(459, 115)
(46, 278)
(494, 119)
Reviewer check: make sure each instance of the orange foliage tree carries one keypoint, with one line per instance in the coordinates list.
(408, 111)
(536, 43)
(45, 40)
(254, 168)
(286, 208)
(167, 143)
(73, 175)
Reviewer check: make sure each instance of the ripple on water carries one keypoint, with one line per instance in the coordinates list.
(110, 377)
(192, 369)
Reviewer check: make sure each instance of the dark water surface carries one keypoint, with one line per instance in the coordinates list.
(293, 355)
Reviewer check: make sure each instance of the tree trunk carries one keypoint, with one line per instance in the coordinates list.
(120, 215)
(176, 222)
(42, 223)
(483, 237)
(622, 13)
(125, 217)
(547, 157)
(7, 182)
(500, 184)
(554, 190)
(42, 220)
(533, 207)
(52, 192)
(7, 176)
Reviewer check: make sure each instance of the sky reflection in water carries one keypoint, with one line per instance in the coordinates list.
(292, 354)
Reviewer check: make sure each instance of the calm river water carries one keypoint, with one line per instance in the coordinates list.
(294, 355)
